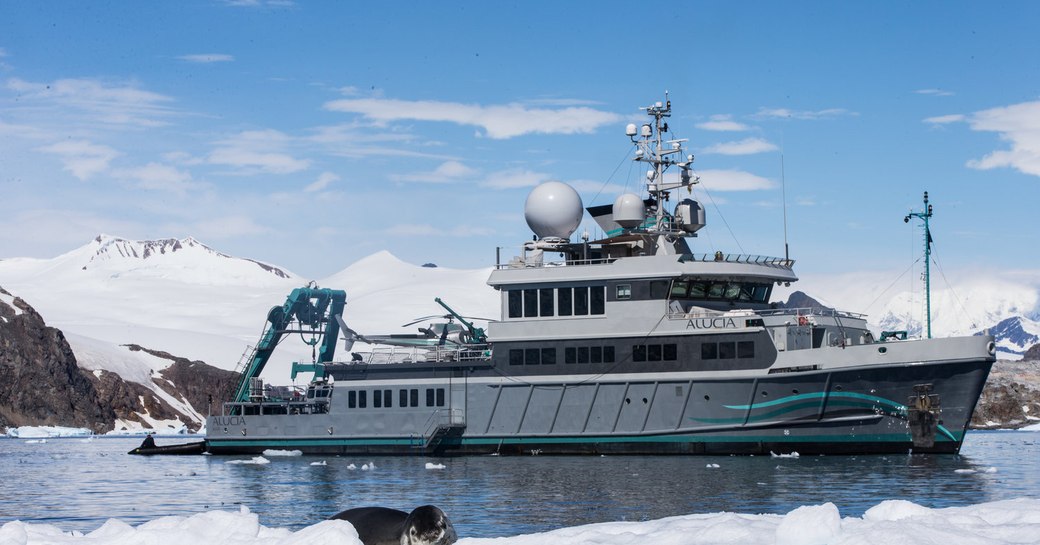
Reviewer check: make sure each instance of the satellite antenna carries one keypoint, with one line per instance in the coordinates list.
(925, 215)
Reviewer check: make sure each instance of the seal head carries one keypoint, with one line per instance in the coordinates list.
(428, 525)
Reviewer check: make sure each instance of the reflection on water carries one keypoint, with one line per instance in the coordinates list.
(78, 484)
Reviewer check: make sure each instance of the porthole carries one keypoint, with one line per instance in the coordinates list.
(795, 391)
(627, 400)
(765, 393)
(839, 388)
(882, 349)
(644, 401)
(707, 397)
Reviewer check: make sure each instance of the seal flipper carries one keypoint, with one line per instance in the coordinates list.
(375, 525)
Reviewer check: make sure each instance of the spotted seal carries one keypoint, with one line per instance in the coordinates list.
(425, 525)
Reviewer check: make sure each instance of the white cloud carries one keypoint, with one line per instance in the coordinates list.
(785, 113)
(323, 181)
(160, 177)
(257, 151)
(425, 229)
(746, 146)
(722, 122)
(935, 92)
(514, 178)
(943, 119)
(1019, 125)
(733, 180)
(449, 171)
(116, 103)
(497, 121)
(207, 58)
(82, 158)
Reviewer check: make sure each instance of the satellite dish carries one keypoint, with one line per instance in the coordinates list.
(629, 211)
(553, 210)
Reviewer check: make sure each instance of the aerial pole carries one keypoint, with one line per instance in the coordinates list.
(925, 215)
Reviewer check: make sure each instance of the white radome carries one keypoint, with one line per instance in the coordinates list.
(628, 210)
(553, 210)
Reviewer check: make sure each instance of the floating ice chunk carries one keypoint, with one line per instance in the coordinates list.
(321, 463)
(352, 466)
(990, 470)
(35, 441)
(964, 471)
(364, 467)
(431, 465)
(275, 452)
(782, 455)
(810, 525)
(259, 460)
(712, 466)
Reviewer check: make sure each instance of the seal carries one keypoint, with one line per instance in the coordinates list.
(425, 525)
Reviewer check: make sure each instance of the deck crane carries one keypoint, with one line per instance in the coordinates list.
(309, 310)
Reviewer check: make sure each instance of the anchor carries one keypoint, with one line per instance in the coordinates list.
(923, 411)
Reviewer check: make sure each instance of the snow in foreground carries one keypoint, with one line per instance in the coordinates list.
(893, 521)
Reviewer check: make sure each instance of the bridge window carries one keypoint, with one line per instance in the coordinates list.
(545, 302)
(564, 304)
(530, 303)
(516, 303)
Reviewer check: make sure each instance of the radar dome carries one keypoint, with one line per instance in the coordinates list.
(629, 211)
(553, 209)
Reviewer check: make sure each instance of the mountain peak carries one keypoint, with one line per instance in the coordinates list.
(117, 252)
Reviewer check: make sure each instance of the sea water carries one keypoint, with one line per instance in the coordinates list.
(78, 484)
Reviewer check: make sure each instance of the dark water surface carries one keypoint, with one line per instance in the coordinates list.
(77, 484)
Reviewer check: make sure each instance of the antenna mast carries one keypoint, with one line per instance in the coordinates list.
(925, 215)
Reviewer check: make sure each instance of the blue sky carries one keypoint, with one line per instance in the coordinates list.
(310, 135)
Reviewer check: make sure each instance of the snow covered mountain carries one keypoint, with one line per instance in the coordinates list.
(187, 299)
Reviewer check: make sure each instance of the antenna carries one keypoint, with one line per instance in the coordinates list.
(783, 188)
(925, 215)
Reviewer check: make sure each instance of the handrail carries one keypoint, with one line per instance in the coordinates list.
(718, 257)
(414, 354)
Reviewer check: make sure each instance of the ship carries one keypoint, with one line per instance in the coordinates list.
(631, 343)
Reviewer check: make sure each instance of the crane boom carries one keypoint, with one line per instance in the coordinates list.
(313, 310)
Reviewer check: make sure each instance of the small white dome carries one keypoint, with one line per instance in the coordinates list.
(553, 209)
(629, 211)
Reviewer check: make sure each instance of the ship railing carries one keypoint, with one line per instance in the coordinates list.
(717, 257)
(440, 422)
(812, 311)
(448, 353)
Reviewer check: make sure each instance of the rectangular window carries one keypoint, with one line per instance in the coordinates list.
(377, 399)
(530, 303)
(564, 306)
(516, 356)
(596, 354)
(717, 290)
(581, 301)
(545, 302)
(746, 349)
(570, 355)
(516, 303)
(658, 289)
(548, 356)
(598, 298)
(429, 397)
(639, 352)
(402, 398)
(608, 354)
(362, 400)
(531, 356)
(414, 395)
(761, 293)
(698, 290)
(727, 351)
(671, 352)
(352, 399)
(679, 288)
(710, 351)
(653, 352)
(624, 291)
(388, 398)
(440, 397)
(583, 354)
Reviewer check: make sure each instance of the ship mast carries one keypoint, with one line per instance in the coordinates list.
(661, 154)
(925, 215)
